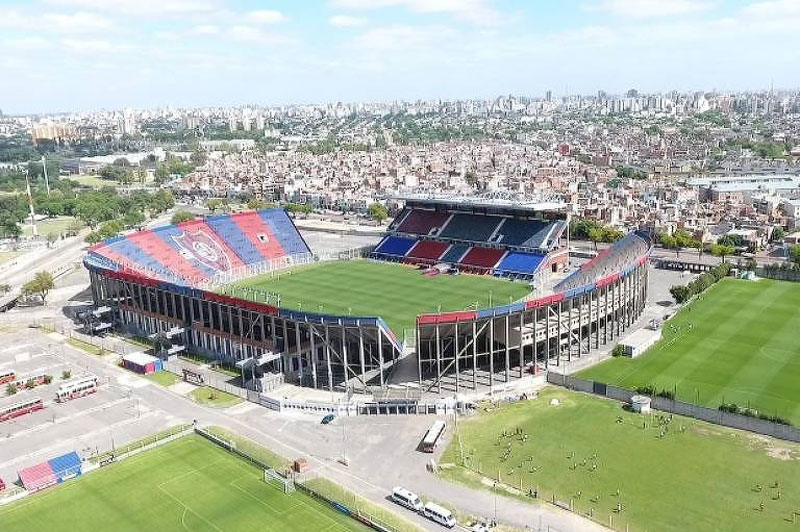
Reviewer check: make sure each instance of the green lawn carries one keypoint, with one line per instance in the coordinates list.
(190, 484)
(164, 378)
(57, 225)
(205, 395)
(93, 181)
(739, 344)
(395, 292)
(696, 477)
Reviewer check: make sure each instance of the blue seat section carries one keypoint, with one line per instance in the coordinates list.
(284, 230)
(519, 262)
(515, 232)
(395, 245)
(470, 227)
(227, 229)
(66, 466)
(455, 253)
(542, 237)
(166, 234)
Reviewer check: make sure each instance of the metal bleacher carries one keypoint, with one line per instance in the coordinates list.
(428, 250)
(481, 257)
(471, 228)
(516, 232)
(519, 262)
(396, 246)
(454, 254)
(422, 222)
(284, 230)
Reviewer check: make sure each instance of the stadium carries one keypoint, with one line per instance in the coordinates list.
(460, 295)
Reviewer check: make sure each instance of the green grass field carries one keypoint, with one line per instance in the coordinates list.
(56, 225)
(701, 478)
(190, 485)
(738, 344)
(205, 395)
(395, 292)
(93, 181)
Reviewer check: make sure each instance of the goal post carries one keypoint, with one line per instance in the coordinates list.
(277, 480)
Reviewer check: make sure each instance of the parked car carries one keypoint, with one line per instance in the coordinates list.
(404, 497)
(327, 419)
(2, 485)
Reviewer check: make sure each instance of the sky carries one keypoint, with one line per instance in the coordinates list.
(83, 55)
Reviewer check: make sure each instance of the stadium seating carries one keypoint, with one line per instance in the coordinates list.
(422, 222)
(470, 227)
(518, 262)
(482, 257)
(429, 250)
(166, 255)
(621, 254)
(516, 232)
(197, 250)
(454, 254)
(283, 228)
(396, 246)
(237, 239)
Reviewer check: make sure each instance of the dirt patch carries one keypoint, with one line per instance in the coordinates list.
(779, 452)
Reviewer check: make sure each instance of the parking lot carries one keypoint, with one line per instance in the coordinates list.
(90, 424)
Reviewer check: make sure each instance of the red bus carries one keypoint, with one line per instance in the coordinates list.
(20, 409)
(76, 388)
(7, 376)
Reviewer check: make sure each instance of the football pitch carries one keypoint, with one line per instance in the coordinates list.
(737, 344)
(187, 485)
(395, 292)
(674, 474)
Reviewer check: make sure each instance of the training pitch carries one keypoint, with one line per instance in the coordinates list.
(737, 344)
(395, 292)
(190, 485)
(676, 474)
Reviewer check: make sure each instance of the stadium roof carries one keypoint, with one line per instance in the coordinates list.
(510, 200)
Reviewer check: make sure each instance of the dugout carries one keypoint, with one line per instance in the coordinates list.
(142, 363)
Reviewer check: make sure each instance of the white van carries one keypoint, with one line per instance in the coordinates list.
(403, 497)
(440, 515)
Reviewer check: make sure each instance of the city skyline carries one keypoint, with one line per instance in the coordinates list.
(81, 55)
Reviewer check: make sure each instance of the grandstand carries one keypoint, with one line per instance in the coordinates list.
(206, 278)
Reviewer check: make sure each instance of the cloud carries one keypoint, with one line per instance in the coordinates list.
(651, 8)
(79, 22)
(206, 29)
(477, 12)
(86, 46)
(141, 7)
(772, 8)
(252, 34)
(266, 16)
(27, 43)
(346, 21)
(401, 37)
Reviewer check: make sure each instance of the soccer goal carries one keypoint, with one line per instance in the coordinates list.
(279, 481)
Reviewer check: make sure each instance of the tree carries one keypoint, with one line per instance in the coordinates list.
(74, 227)
(680, 293)
(378, 212)
(4, 288)
(51, 238)
(722, 251)
(181, 216)
(11, 388)
(682, 240)
(667, 241)
(777, 234)
(40, 285)
(66, 374)
(595, 234)
(794, 253)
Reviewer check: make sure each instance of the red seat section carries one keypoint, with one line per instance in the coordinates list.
(421, 222)
(426, 249)
(482, 257)
(157, 248)
(259, 234)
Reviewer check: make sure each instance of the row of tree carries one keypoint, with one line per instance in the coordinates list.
(683, 293)
(584, 229)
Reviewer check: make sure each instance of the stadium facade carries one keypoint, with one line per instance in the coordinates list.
(164, 283)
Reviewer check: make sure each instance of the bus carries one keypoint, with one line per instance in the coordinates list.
(20, 409)
(432, 437)
(7, 376)
(76, 388)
